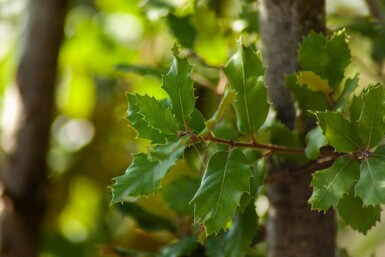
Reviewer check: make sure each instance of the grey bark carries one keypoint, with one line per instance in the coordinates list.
(293, 230)
(24, 175)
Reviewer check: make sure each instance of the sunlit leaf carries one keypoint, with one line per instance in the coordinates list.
(328, 58)
(245, 73)
(353, 212)
(330, 185)
(179, 87)
(372, 126)
(340, 133)
(371, 185)
(239, 236)
(144, 175)
(226, 179)
(156, 116)
(315, 140)
(314, 82)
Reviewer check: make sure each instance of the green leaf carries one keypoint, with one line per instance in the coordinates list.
(350, 85)
(156, 116)
(182, 29)
(179, 87)
(226, 178)
(245, 73)
(379, 153)
(183, 247)
(372, 126)
(256, 183)
(241, 233)
(179, 193)
(227, 99)
(145, 219)
(371, 185)
(314, 82)
(197, 121)
(314, 141)
(352, 211)
(340, 133)
(144, 175)
(307, 99)
(331, 58)
(330, 185)
(356, 108)
(141, 126)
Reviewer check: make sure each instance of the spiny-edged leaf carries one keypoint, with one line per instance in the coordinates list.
(371, 121)
(145, 219)
(331, 58)
(330, 185)
(314, 82)
(340, 133)
(156, 116)
(343, 100)
(256, 181)
(353, 212)
(245, 73)
(314, 141)
(371, 185)
(197, 121)
(179, 193)
(162, 152)
(227, 99)
(356, 107)
(179, 87)
(379, 153)
(144, 175)
(307, 99)
(141, 126)
(226, 178)
(183, 247)
(241, 233)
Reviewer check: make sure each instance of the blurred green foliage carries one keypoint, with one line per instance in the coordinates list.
(108, 46)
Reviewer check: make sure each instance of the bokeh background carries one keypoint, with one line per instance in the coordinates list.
(116, 46)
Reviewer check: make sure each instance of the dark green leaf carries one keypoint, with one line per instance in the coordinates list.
(307, 99)
(182, 29)
(179, 193)
(197, 121)
(142, 70)
(181, 248)
(379, 153)
(340, 133)
(145, 219)
(141, 126)
(179, 87)
(144, 175)
(256, 182)
(226, 179)
(356, 108)
(353, 213)
(350, 85)
(331, 58)
(241, 233)
(330, 185)
(156, 116)
(315, 140)
(245, 73)
(372, 126)
(371, 185)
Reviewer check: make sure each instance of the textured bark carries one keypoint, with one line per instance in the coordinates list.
(24, 174)
(293, 230)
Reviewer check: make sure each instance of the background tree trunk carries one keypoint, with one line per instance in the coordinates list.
(293, 230)
(24, 174)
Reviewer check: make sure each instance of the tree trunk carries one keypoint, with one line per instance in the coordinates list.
(24, 174)
(293, 230)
